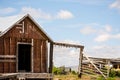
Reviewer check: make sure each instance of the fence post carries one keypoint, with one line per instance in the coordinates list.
(80, 63)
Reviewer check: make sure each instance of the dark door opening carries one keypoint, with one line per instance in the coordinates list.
(24, 58)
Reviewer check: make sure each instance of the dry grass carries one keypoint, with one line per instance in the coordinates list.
(72, 77)
(75, 77)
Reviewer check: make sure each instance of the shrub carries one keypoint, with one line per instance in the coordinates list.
(112, 73)
(118, 73)
(58, 71)
(73, 72)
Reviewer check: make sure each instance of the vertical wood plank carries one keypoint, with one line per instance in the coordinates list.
(41, 55)
(46, 45)
(44, 56)
(32, 52)
(1, 67)
(1, 53)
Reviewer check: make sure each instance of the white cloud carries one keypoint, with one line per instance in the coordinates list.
(36, 13)
(7, 10)
(86, 2)
(108, 28)
(105, 37)
(91, 28)
(105, 51)
(117, 36)
(64, 14)
(87, 30)
(116, 4)
(101, 32)
(6, 22)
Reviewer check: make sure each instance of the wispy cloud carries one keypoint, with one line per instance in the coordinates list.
(38, 13)
(102, 37)
(6, 22)
(7, 10)
(102, 32)
(87, 30)
(64, 14)
(105, 51)
(108, 28)
(91, 29)
(86, 2)
(115, 4)
(105, 37)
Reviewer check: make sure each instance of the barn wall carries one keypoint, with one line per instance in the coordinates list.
(8, 46)
(40, 56)
(7, 64)
(1, 53)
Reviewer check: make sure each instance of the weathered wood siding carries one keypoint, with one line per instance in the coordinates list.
(8, 46)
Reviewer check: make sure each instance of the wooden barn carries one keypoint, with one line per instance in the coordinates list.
(24, 50)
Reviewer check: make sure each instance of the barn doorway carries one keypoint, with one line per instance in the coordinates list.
(24, 58)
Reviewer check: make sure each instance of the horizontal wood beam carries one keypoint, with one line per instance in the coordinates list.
(7, 56)
(27, 75)
(35, 75)
(3, 76)
(68, 45)
(7, 61)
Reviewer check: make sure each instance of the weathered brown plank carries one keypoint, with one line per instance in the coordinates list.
(36, 66)
(44, 57)
(13, 67)
(1, 46)
(6, 67)
(1, 67)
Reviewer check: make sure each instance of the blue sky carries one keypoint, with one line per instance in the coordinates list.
(92, 23)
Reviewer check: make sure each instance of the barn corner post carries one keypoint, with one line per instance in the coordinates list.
(51, 57)
(80, 62)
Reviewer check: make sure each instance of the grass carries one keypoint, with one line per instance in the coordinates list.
(72, 77)
(84, 77)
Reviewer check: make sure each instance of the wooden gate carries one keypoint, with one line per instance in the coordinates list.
(94, 67)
